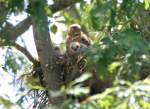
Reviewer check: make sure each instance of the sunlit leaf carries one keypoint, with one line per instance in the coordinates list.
(48, 11)
(35, 87)
(113, 66)
(5, 102)
(147, 4)
(82, 78)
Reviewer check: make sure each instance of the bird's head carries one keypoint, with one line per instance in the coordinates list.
(74, 30)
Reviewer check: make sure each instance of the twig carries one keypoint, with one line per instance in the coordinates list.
(25, 52)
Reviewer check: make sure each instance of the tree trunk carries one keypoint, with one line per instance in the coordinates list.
(45, 52)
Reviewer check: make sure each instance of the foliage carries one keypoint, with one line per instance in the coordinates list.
(13, 62)
(124, 95)
(114, 54)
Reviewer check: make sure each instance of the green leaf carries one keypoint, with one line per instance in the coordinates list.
(35, 87)
(54, 28)
(144, 104)
(48, 11)
(112, 67)
(5, 102)
(146, 4)
(78, 90)
(82, 78)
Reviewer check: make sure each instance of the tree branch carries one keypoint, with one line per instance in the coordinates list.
(21, 28)
(10, 33)
(14, 31)
(73, 12)
(25, 52)
(61, 4)
(21, 49)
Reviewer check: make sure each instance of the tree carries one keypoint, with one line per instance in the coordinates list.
(119, 55)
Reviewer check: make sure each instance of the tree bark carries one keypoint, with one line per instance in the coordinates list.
(45, 52)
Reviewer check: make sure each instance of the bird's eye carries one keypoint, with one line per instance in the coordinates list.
(74, 27)
(77, 46)
(83, 39)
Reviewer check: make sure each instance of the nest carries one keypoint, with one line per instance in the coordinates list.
(71, 67)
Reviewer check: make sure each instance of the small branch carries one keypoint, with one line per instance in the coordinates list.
(21, 49)
(61, 4)
(25, 52)
(73, 12)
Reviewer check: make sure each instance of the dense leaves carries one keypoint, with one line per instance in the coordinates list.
(123, 95)
(114, 54)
